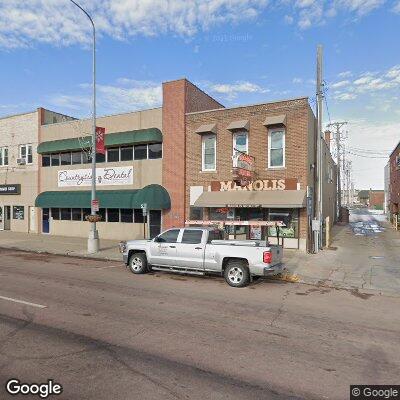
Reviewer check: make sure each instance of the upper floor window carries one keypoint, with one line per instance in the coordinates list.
(25, 153)
(209, 144)
(3, 156)
(240, 142)
(276, 148)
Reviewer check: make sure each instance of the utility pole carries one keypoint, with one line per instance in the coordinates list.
(338, 126)
(318, 208)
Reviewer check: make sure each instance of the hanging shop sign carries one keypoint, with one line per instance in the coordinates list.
(243, 168)
(257, 185)
(104, 177)
(10, 189)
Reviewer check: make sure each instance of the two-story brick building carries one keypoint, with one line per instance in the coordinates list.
(394, 183)
(281, 138)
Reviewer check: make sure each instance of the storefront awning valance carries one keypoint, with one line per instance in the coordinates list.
(150, 135)
(155, 196)
(275, 120)
(244, 198)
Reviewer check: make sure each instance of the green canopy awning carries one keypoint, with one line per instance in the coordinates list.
(150, 135)
(155, 196)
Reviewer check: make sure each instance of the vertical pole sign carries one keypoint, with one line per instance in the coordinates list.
(144, 210)
(95, 205)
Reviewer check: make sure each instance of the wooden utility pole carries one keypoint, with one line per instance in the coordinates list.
(338, 126)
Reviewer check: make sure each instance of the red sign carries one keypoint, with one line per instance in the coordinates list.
(100, 140)
(243, 168)
(95, 205)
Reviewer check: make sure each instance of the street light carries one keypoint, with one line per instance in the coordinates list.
(93, 240)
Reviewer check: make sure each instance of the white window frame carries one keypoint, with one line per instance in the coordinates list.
(235, 134)
(270, 132)
(202, 152)
(26, 146)
(2, 151)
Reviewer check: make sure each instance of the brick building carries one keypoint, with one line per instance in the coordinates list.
(376, 199)
(178, 160)
(281, 138)
(394, 181)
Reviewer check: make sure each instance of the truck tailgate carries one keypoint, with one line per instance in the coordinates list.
(277, 254)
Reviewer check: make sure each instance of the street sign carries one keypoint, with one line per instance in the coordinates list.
(95, 205)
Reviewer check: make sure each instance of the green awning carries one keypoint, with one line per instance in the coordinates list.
(155, 196)
(150, 135)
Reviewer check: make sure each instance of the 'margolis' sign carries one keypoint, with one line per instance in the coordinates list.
(258, 185)
(104, 176)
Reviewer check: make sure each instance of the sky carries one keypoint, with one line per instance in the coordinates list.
(239, 51)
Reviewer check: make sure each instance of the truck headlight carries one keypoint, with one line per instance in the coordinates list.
(122, 247)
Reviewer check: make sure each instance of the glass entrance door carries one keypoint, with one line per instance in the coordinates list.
(45, 220)
(7, 218)
(155, 223)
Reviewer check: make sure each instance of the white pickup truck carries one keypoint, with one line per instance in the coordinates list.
(202, 251)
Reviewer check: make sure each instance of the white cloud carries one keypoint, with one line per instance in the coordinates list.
(345, 74)
(396, 7)
(288, 19)
(125, 95)
(25, 22)
(340, 84)
(297, 80)
(231, 90)
(309, 13)
(368, 83)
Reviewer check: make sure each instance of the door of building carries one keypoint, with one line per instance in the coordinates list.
(45, 220)
(7, 218)
(155, 223)
(32, 219)
(1, 219)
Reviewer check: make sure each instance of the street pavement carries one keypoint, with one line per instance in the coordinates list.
(364, 255)
(104, 333)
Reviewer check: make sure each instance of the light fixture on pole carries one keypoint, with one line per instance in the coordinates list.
(93, 240)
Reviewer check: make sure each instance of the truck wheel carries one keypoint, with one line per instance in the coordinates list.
(237, 274)
(138, 263)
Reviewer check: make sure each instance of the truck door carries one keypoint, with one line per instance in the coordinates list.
(190, 249)
(163, 248)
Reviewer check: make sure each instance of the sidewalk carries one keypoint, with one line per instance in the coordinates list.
(354, 261)
(68, 246)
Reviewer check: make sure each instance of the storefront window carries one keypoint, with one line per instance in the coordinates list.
(102, 213)
(65, 158)
(77, 157)
(65, 214)
(100, 158)
(218, 214)
(55, 213)
(290, 217)
(155, 150)
(140, 152)
(138, 215)
(18, 212)
(76, 214)
(127, 153)
(113, 154)
(55, 160)
(126, 215)
(112, 215)
(196, 213)
(46, 160)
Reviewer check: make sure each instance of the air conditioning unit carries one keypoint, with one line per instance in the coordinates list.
(21, 161)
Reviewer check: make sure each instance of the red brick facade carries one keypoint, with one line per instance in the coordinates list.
(179, 98)
(394, 195)
(298, 155)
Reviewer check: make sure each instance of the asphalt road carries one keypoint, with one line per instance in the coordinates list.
(107, 334)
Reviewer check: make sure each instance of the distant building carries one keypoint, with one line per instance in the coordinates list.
(386, 203)
(376, 199)
(363, 197)
(394, 181)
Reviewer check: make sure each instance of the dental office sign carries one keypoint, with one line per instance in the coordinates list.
(104, 177)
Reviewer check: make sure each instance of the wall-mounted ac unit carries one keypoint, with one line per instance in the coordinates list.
(21, 161)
